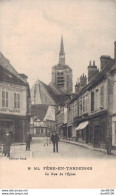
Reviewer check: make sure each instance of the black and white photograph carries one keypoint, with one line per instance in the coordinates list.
(58, 82)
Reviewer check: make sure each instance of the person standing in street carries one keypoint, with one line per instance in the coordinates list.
(28, 141)
(7, 140)
(46, 140)
(55, 139)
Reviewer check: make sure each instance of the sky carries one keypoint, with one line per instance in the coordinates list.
(30, 34)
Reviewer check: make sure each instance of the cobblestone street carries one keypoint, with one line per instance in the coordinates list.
(66, 150)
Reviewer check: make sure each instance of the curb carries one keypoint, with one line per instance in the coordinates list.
(85, 146)
(15, 144)
(18, 144)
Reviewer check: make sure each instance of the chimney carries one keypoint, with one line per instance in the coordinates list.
(83, 80)
(115, 51)
(92, 70)
(77, 87)
(104, 60)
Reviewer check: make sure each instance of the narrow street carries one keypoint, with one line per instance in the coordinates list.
(66, 150)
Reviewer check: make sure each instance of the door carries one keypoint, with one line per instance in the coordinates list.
(97, 136)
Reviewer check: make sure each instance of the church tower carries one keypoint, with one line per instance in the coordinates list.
(62, 54)
(62, 73)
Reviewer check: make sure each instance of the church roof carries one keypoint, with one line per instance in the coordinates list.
(51, 92)
(56, 95)
(39, 110)
(59, 98)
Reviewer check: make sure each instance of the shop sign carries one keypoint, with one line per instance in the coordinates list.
(9, 110)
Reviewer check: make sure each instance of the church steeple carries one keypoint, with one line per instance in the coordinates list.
(61, 54)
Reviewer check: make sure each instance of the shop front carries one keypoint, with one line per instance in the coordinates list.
(4, 125)
(83, 132)
(98, 131)
(60, 130)
(114, 132)
(65, 131)
(17, 127)
(70, 132)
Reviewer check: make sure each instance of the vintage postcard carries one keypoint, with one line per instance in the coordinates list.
(57, 94)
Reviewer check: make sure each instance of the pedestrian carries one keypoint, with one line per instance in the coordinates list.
(7, 141)
(46, 140)
(55, 139)
(28, 141)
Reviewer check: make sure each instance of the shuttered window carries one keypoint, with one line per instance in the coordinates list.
(92, 101)
(4, 98)
(16, 100)
(102, 96)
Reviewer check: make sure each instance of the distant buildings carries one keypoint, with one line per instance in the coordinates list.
(15, 102)
(58, 90)
(42, 120)
(90, 117)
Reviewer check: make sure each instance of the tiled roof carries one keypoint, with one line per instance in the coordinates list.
(39, 110)
(50, 91)
(5, 63)
(58, 98)
(7, 76)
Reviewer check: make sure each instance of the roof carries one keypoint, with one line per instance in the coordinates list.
(51, 92)
(58, 98)
(6, 76)
(96, 79)
(39, 110)
(62, 47)
(5, 63)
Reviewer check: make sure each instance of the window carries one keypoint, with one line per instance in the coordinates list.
(97, 99)
(80, 107)
(84, 104)
(87, 103)
(102, 96)
(60, 79)
(92, 101)
(58, 73)
(4, 99)
(77, 109)
(16, 100)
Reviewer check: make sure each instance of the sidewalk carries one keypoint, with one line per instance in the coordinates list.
(87, 146)
(17, 152)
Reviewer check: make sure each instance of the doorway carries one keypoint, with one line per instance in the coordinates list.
(97, 136)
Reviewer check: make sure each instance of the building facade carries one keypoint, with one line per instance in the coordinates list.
(42, 120)
(91, 114)
(15, 102)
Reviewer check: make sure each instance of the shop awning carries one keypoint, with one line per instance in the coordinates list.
(82, 125)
